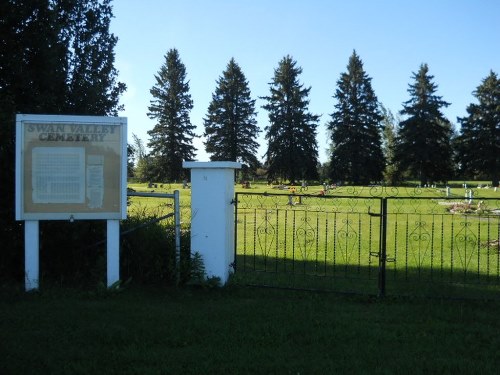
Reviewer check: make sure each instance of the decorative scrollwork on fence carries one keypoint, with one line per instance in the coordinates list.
(313, 203)
(419, 240)
(347, 240)
(245, 201)
(305, 236)
(266, 233)
(465, 244)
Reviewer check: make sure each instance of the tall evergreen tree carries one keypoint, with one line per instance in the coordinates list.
(355, 128)
(423, 145)
(230, 126)
(478, 145)
(292, 151)
(172, 137)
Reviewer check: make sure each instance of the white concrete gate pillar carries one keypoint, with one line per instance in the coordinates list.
(212, 215)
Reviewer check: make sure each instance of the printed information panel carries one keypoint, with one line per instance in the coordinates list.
(70, 167)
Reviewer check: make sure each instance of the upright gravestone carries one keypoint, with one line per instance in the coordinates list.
(212, 215)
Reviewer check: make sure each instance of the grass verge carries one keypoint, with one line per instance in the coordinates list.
(239, 330)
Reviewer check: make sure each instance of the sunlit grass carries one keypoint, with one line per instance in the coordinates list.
(339, 235)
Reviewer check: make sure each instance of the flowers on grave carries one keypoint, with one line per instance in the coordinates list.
(467, 208)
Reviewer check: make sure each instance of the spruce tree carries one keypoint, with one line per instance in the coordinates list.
(230, 126)
(478, 145)
(355, 128)
(172, 137)
(292, 151)
(423, 145)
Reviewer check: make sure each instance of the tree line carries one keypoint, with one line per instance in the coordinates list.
(368, 143)
(57, 57)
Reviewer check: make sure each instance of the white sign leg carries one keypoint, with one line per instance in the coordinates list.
(113, 252)
(31, 255)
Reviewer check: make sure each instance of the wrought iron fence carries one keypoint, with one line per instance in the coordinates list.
(371, 240)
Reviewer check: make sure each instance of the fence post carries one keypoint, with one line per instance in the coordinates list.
(212, 215)
(383, 247)
(177, 219)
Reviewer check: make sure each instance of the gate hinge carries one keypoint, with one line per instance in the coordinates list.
(234, 201)
(374, 254)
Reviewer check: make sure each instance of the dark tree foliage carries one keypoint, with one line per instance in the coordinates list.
(230, 126)
(45, 48)
(91, 72)
(478, 145)
(172, 137)
(355, 128)
(423, 145)
(292, 151)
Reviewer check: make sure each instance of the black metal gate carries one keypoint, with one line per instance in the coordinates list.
(367, 243)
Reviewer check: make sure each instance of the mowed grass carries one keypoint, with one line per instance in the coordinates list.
(241, 330)
(260, 187)
(236, 330)
(152, 206)
(336, 237)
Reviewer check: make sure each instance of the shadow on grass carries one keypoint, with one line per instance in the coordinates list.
(361, 279)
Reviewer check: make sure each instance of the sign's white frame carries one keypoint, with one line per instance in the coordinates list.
(75, 210)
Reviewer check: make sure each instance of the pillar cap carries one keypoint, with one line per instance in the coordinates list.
(211, 165)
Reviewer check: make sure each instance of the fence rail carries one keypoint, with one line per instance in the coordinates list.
(370, 244)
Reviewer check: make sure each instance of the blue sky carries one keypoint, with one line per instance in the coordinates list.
(458, 39)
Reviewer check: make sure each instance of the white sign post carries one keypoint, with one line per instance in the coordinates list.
(70, 168)
(113, 252)
(31, 255)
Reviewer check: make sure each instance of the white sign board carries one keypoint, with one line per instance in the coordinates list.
(71, 167)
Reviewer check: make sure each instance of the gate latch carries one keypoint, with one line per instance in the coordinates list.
(387, 259)
(373, 213)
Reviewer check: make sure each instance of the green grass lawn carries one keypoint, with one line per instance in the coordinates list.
(259, 187)
(336, 237)
(241, 330)
(236, 330)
